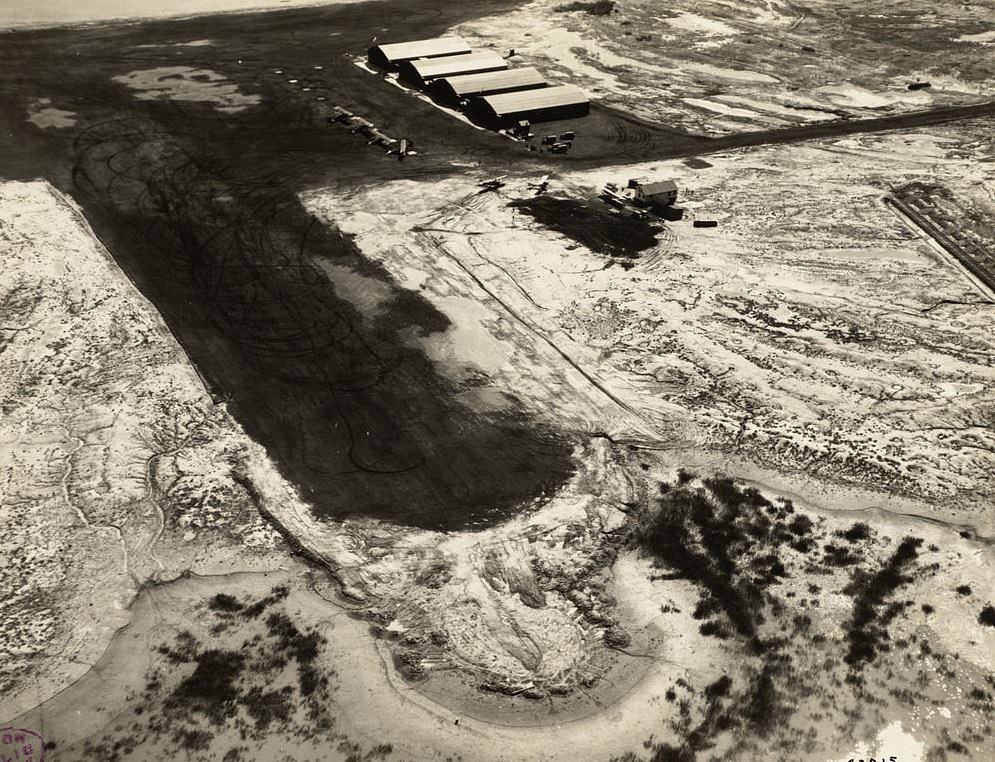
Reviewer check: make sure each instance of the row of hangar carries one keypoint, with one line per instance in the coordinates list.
(480, 82)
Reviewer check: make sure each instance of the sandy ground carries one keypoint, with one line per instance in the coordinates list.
(716, 67)
(468, 600)
(368, 689)
(22, 13)
(117, 464)
(784, 335)
(111, 704)
(135, 476)
(810, 343)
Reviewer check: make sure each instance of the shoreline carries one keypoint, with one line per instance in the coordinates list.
(369, 684)
(13, 26)
(821, 494)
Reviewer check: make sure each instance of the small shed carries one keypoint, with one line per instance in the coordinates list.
(662, 193)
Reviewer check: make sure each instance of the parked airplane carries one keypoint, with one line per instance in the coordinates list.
(493, 184)
(541, 186)
(363, 126)
(340, 114)
(379, 139)
(613, 197)
(403, 149)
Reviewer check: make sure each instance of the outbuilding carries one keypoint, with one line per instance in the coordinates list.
(662, 193)
(452, 90)
(539, 105)
(423, 71)
(391, 55)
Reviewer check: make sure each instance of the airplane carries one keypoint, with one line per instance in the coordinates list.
(612, 196)
(377, 138)
(493, 184)
(404, 149)
(363, 126)
(340, 114)
(541, 186)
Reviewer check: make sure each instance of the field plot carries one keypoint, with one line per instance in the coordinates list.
(716, 67)
(811, 329)
(964, 231)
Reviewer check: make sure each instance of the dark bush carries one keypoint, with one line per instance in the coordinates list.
(713, 629)
(839, 556)
(266, 707)
(616, 637)
(867, 627)
(193, 740)
(224, 603)
(211, 689)
(763, 708)
(719, 688)
(726, 539)
(800, 525)
(667, 753)
(594, 7)
(856, 533)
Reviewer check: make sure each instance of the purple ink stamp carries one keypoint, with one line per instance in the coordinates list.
(21, 745)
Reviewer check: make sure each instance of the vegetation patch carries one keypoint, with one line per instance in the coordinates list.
(725, 539)
(593, 8)
(211, 689)
(592, 225)
(867, 630)
(256, 676)
(743, 552)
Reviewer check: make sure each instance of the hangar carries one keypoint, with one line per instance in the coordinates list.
(455, 89)
(422, 71)
(389, 56)
(539, 105)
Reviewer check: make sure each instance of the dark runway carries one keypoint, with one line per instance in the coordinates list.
(200, 208)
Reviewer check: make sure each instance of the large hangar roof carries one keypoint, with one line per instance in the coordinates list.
(447, 66)
(396, 52)
(492, 81)
(506, 104)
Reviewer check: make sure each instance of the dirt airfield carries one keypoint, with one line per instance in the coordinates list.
(311, 452)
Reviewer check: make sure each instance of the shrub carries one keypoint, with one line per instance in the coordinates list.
(859, 531)
(616, 637)
(867, 627)
(719, 688)
(593, 8)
